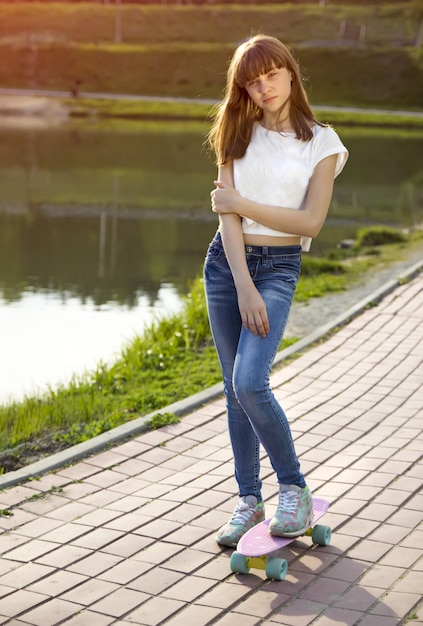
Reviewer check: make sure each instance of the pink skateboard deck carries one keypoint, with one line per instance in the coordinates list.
(257, 543)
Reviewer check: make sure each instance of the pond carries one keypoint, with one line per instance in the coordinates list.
(104, 225)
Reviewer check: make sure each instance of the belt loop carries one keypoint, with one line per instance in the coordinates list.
(265, 254)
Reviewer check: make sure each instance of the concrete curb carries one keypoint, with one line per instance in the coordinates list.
(188, 405)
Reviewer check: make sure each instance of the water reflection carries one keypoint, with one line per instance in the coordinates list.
(106, 214)
(103, 214)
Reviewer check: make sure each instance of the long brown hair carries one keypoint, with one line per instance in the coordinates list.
(234, 117)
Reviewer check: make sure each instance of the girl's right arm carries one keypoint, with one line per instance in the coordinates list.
(251, 304)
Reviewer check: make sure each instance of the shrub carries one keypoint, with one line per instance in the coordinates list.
(379, 236)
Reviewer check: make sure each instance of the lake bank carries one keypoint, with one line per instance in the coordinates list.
(334, 309)
(55, 107)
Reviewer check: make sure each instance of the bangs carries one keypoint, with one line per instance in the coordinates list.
(256, 60)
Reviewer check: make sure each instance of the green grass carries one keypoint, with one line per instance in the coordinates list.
(184, 50)
(162, 110)
(393, 77)
(141, 110)
(173, 359)
(386, 23)
(379, 236)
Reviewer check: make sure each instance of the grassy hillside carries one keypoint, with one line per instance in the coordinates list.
(386, 24)
(354, 54)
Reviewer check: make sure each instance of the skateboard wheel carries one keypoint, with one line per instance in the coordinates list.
(321, 535)
(276, 568)
(239, 563)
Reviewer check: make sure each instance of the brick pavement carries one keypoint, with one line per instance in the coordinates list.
(126, 536)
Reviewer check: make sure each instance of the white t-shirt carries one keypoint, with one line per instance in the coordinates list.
(276, 170)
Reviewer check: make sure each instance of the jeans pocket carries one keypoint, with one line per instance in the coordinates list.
(214, 251)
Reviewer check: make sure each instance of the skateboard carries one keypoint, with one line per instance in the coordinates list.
(255, 548)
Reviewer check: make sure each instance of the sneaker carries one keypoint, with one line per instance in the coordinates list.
(248, 513)
(294, 513)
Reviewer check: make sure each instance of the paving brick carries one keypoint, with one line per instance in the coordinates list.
(381, 577)
(261, 603)
(107, 459)
(90, 591)
(127, 546)
(97, 538)
(78, 490)
(400, 557)
(95, 564)
(96, 517)
(410, 583)
(155, 580)
(189, 588)
(66, 532)
(325, 590)
(188, 535)
(356, 599)
(70, 512)
(124, 572)
(298, 612)
(335, 615)
(56, 583)
(39, 526)
(89, 617)
(24, 575)
(378, 620)
(32, 550)
(156, 610)
(232, 619)
(129, 485)
(188, 561)
(397, 604)
(20, 601)
(347, 569)
(227, 594)
(119, 602)
(52, 612)
(158, 553)
(79, 471)
(127, 522)
(389, 533)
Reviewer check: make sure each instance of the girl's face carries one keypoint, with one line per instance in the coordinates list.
(271, 91)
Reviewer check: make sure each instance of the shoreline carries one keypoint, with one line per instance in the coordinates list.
(56, 107)
(49, 460)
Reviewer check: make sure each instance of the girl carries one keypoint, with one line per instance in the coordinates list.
(276, 164)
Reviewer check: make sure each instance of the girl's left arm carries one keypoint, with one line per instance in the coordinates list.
(306, 222)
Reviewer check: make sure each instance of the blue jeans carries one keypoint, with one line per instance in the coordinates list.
(254, 415)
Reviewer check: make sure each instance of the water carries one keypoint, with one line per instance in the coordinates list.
(103, 226)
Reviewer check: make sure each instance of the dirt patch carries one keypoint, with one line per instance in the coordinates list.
(30, 452)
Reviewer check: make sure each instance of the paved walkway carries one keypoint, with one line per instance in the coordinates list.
(126, 536)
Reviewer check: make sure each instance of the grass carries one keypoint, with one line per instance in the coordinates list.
(392, 77)
(163, 110)
(174, 359)
(141, 110)
(154, 24)
(184, 50)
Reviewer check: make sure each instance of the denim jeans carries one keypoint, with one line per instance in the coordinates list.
(254, 414)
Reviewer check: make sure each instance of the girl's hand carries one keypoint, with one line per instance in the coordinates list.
(253, 310)
(224, 198)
